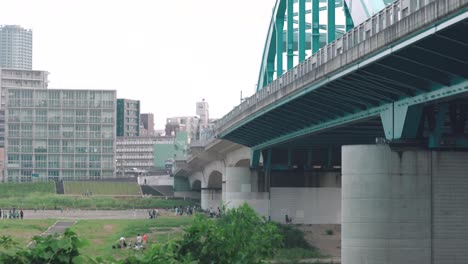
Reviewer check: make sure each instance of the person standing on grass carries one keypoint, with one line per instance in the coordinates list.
(145, 239)
(21, 213)
(139, 240)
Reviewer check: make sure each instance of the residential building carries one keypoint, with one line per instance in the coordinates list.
(17, 78)
(59, 134)
(203, 111)
(189, 124)
(168, 153)
(147, 124)
(128, 118)
(15, 47)
(137, 153)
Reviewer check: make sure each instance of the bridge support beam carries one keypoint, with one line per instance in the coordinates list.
(401, 121)
(409, 206)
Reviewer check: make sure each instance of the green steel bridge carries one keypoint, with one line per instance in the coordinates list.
(400, 76)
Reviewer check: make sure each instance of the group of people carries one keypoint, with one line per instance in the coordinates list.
(214, 214)
(179, 210)
(139, 244)
(153, 213)
(11, 214)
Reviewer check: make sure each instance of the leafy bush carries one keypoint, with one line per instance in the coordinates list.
(240, 236)
(292, 237)
(50, 249)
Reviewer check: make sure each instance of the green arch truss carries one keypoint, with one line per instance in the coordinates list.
(298, 28)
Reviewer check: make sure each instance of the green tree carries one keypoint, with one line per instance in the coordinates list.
(240, 236)
(50, 249)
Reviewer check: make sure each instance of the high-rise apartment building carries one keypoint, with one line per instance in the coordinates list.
(128, 118)
(15, 47)
(59, 134)
(147, 124)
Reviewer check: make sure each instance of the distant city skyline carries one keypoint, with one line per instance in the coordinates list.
(159, 52)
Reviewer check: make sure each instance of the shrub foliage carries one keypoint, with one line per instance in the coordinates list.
(240, 236)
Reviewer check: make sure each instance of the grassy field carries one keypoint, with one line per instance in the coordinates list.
(102, 234)
(21, 189)
(53, 201)
(102, 188)
(23, 230)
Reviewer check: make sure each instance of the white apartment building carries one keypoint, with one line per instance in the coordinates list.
(17, 78)
(56, 134)
(137, 152)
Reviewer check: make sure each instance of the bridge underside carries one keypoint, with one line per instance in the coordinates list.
(424, 77)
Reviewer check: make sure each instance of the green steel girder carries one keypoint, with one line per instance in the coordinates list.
(378, 89)
(279, 45)
(283, 11)
(394, 83)
(305, 117)
(381, 86)
(315, 27)
(308, 104)
(349, 20)
(401, 121)
(380, 97)
(398, 77)
(437, 53)
(290, 34)
(409, 74)
(344, 98)
(448, 65)
(360, 96)
(302, 31)
(460, 88)
(269, 50)
(341, 109)
(331, 34)
(438, 71)
(423, 71)
(255, 159)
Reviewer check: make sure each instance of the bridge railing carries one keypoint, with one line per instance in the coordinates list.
(369, 28)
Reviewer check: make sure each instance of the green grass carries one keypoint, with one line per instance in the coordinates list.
(53, 201)
(293, 255)
(22, 231)
(102, 234)
(102, 188)
(20, 189)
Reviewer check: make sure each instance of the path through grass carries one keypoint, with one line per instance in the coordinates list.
(102, 234)
(22, 231)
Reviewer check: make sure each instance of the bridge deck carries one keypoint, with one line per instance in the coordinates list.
(399, 56)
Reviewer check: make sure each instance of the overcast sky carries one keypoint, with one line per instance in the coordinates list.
(167, 54)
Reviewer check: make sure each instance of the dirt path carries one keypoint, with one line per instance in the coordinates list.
(85, 214)
(327, 238)
(58, 228)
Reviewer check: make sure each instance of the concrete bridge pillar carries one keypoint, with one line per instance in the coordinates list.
(241, 187)
(210, 198)
(407, 206)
